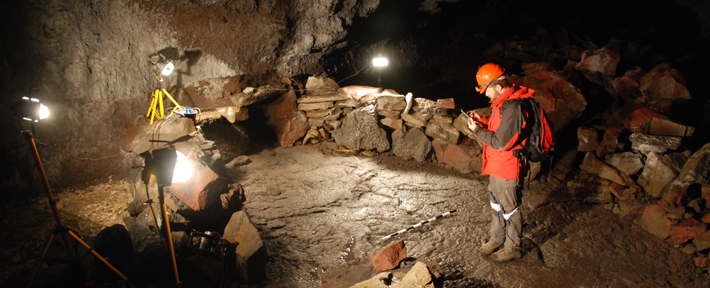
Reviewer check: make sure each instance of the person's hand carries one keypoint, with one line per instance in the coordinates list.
(477, 117)
(472, 124)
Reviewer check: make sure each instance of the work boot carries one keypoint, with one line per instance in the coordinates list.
(506, 254)
(489, 247)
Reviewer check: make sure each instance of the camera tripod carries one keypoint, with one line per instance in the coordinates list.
(156, 110)
(62, 229)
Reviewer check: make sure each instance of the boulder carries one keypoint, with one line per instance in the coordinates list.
(663, 82)
(447, 103)
(360, 131)
(202, 189)
(560, 99)
(657, 173)
(702, 241)
(360, 93)
(389, 257)
(628, 163)
(288, 123)
(686, 230)
(596, 167)
(627, 88)
(417, 277)
(464, 157)
(602, 60)
(425, 106)
(649, 121)
(386, 102)
(250, 251)
(443, 131)
(416, 120)
(610, 141)
(654, 220)
(323, 97)
(395, 124)
(315, 106)
(695, 170)
(412, 143)
(319, 83)
(143, 136)
(653, 143)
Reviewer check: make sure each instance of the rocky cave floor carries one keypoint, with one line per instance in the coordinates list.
(317, 211)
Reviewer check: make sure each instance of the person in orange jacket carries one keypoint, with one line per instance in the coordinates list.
(501, 135)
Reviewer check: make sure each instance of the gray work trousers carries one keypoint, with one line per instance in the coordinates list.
(507, 222)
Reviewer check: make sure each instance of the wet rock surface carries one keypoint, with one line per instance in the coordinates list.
(319, 213)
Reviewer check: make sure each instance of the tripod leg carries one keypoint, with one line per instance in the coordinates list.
(163, 206)
(50, 196)
(160, 100)
(39, 264)
(171, 98)
(151, 108)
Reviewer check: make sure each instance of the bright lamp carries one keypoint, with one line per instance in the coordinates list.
(380, 62)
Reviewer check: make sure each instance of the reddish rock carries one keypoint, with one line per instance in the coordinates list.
(705, 218)
(664, 205)
(201, 190)
(686, 230)
(389, 257)
(638, 120)
(633, 190)
(447, 103)
(561, 101)
(627, 88)
(655, 221)
(288, 123)
(617, 189)
(610, 141)
(461, 157)
(702, 262)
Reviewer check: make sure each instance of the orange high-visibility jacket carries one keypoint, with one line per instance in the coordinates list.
(502, 135)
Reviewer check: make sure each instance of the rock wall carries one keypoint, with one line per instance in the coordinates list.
(88, 61)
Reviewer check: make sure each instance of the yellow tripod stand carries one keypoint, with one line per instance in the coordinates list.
(156, 110)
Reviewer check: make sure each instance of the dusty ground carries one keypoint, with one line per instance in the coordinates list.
(316, 210)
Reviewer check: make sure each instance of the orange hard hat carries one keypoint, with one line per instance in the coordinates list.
(486, 74)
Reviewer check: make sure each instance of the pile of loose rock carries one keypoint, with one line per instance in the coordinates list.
(206, 203)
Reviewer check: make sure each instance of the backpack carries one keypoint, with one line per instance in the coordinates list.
(541, 142)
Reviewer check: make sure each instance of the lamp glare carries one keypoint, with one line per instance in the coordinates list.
(380, 62)
(183, 168)
(168, 69)
(43, 111)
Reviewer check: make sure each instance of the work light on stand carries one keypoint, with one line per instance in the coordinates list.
(169, 166)
(31, 110)
(379, 62)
